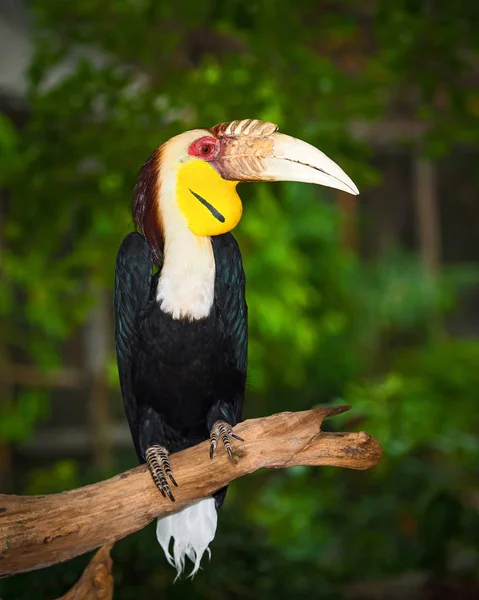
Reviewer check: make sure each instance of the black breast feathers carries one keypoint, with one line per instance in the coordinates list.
(179, 376)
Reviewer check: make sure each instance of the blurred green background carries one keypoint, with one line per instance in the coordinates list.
(371, 301)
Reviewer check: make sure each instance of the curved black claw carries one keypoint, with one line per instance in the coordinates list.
(158, 461)
(223, 430)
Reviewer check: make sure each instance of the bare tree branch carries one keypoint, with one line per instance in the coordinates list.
(39, 531)
(96, 583)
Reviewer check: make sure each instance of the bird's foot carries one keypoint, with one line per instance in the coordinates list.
(158, 461)
(222, 430)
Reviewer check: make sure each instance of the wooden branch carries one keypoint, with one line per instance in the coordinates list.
(96, 583)
(39, 531)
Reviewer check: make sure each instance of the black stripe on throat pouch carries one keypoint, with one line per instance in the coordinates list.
(216, 213)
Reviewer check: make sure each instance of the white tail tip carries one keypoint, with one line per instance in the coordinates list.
(192, 530)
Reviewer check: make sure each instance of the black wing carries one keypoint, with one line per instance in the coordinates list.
(132, 291)
(231, 304)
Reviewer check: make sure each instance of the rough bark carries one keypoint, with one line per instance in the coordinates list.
(96, 583)
(39, 531)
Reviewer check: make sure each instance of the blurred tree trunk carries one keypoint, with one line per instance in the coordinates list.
(5, 398)
(5, 453)
(388, 204)
(96, 348)
(348, 210)
(428, 227)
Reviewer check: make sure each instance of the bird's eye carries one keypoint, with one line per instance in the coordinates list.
(205, 147)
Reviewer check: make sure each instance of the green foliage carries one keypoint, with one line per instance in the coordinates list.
(324, 324)
(17, 420)
(62, 476)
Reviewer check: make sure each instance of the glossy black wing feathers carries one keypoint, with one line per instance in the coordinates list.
(132, 291)
(231, 304)
(230, 296)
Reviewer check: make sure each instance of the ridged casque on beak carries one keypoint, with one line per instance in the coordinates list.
(253, 150)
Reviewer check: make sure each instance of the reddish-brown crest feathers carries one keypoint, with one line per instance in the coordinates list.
(145, 204)
(244, 127)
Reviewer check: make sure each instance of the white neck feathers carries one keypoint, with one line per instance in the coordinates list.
(187, 279)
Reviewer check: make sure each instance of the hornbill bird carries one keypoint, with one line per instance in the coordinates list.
(181, 332)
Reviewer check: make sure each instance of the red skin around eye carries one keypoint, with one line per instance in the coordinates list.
(206, 148)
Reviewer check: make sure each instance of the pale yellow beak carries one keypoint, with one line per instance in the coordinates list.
(294, 160)
(254, 150)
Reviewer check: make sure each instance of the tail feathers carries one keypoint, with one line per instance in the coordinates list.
(192, 530)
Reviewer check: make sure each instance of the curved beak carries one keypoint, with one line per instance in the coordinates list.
(278, 157)
(294, 160)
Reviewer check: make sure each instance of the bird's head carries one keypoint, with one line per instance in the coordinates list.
(191, 179)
